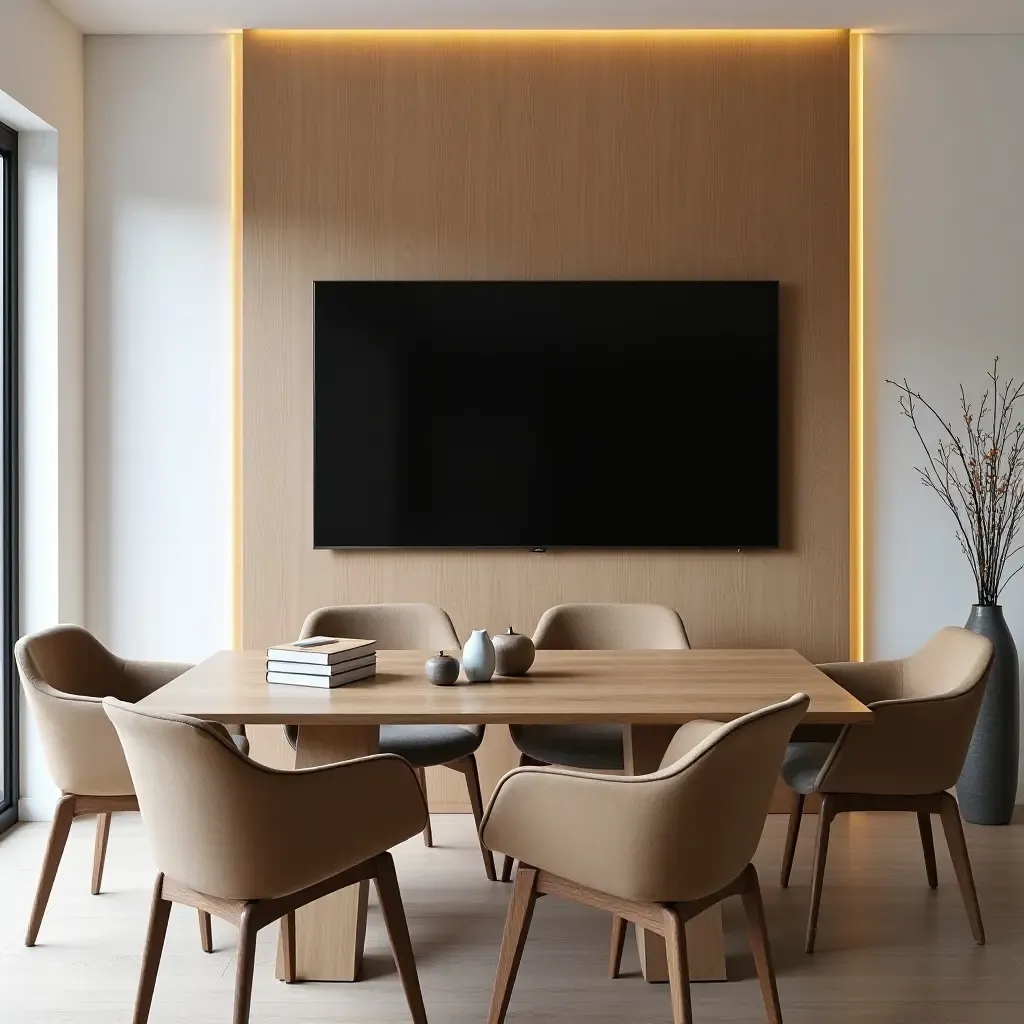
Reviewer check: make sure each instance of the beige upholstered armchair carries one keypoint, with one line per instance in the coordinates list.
(592, 627)
(925, 708)
(65, 672)
(660, 848)
(411, 627)
(251, 844)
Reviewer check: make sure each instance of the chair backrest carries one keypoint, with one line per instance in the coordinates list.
(596, 627)
(65, 673)
(710, 804)
(229, 827)
(918, 739)
(395, 627)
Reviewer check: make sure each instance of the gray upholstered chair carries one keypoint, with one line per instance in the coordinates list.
(251, 844)
(907, 759)
(592, 627)
(410, 627)
(65, 673)
(652, 849)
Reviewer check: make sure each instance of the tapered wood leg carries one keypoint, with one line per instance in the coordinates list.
(924, 824)
(288, 946)
(99, 853)
(517, 925)
(468, 768)
(954, 832)
(206, 931)
(390, 897)
(330, 931)
(63, 815)
(678, 970)
(757, 929)
(428, 833)
(245, 962)
(644, 746)
(507, 866)
(825, 816)
(617, 944)
(796, 813)
(159, 912)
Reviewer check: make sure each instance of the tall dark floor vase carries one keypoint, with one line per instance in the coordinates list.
(987, 787)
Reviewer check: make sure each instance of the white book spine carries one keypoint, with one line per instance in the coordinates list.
(321, 682)
(338, 668)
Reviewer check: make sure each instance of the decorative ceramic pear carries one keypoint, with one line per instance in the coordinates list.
(513, 653)
(478, 657)
(442, 670)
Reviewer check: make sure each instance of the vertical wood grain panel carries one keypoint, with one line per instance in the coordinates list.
(460, 157)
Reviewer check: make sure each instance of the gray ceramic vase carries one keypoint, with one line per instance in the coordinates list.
(987, 787)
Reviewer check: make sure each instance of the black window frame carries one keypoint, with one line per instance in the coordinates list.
(9, 689)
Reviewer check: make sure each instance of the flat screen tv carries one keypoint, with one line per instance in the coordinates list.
(546, 414)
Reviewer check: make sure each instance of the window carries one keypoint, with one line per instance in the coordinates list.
(9, 459)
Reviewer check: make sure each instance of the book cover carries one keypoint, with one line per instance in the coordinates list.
(322, 650)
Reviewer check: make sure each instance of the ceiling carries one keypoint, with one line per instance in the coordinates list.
(146, 16)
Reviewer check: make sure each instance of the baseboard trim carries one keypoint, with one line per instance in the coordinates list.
(35, 808)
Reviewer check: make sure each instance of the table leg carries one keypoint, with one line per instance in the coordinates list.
(329, 933)
(645, 746)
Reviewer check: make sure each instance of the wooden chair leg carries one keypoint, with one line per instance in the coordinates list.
(468, 768)
(159, 912)
(617, 945)
(796, 813)
(428, 834)
(517, 925)
(825, 815)
(246, 959)
(757, 929)
(288, 945)
(924, 824)
(678, 969)
(507, 866)
(954, 831)
(206, 931)
(63, 815)
(390, 897)
(99, 853)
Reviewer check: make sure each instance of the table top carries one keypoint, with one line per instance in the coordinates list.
(643, 687)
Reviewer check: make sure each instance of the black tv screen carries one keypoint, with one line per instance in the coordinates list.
(545, 414)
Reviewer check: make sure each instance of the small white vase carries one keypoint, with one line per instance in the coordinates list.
(478, 657)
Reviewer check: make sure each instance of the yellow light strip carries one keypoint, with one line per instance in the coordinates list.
(857, 584)
(236, 339)
(478, 33)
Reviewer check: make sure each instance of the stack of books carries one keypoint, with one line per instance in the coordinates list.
(325, 661)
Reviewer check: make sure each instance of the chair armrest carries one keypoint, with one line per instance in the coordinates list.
(868, 681)
(146, 677)
(594, 829)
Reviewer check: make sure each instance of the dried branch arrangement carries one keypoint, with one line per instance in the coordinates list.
(978, 472)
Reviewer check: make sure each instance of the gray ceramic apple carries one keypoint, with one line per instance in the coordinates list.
(513, 653)
(442, 670)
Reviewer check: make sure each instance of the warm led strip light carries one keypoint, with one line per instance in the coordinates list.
(236, 339)
(857, 585)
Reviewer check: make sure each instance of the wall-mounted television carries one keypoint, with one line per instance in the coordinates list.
(546, 414)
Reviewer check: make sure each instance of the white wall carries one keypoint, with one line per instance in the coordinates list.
(41, 95)
(159, 344)
(944, 260)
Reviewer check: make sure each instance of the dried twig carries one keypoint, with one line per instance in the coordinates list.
(979, 475)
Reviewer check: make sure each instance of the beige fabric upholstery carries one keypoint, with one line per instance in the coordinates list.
(598, 627)
(400, 627)
(925, 708)
(65, 672)
(220, 823)
(395, 627)
(678, 834)
(595, 627)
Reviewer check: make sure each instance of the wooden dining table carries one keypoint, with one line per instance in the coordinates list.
(649, 693)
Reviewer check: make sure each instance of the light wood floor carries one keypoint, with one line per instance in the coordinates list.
(889, 950)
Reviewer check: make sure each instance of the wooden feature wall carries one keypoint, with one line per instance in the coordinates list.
(549, 156)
